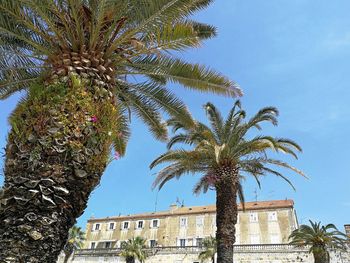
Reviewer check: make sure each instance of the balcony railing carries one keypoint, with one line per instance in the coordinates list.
(263, 248)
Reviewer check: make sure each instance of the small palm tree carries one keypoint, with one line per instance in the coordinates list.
(223, 154)
(75, 241)
(210, 248)
(134, 249)
(321, 240)
(83, 66)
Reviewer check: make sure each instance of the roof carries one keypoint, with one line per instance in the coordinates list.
(260, 205)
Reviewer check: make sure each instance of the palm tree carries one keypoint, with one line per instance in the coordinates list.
(223, 154)
(321, 240)
(134, 249)
(77, 64)
(210, 248)
(75, 241)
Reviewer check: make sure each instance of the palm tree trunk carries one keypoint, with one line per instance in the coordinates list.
(226, 213)
(322, 257)
(130, 260)
(55, 156)
(66, 257)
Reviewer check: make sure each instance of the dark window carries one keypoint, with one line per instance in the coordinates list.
(199, 242)
(111, 226)
(140, 224)
(93, 245)
(152, 243)
(97, 227)
(126, 225)
(182, 242)
(108, 244)
(155, 223)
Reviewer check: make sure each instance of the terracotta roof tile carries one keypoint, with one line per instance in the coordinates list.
(260, 205)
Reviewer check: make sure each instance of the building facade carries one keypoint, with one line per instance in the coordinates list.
(176, 235)
(269, 222)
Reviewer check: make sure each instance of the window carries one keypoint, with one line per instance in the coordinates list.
(253, 217)
(155, 223)
(199, 221)
(125, 225)
(183, 221)
(152, 243)
(199, 242)
(108, 244)
(182, 242)
(111, 226)
(254, 239)
(92, 245)
(97, 227)
(275, 239)
(272, 216)
(139, 224)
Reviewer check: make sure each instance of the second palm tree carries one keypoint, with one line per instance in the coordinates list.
(224, 154)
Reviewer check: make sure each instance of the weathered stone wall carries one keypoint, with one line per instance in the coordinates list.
(242, 254)
(255, 226)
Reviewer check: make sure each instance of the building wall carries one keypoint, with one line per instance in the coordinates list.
(347, 230)
(259, 224)
(242, 254)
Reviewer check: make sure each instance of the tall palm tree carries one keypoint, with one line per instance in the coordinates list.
(75, 241)
(321, 240)
(223, 154)
(210, 248)
(77, 62)
(134, 249)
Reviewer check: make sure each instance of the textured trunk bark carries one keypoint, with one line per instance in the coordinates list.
(130, 260)
(56, 153)
(226, 212)
(322, 257)
(66, 257)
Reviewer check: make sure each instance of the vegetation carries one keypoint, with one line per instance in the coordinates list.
(134, 249)
(210, 247)
(224, 154)
(74, 61)
(75, 241)
(321, 240)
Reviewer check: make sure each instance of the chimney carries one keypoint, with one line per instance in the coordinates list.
(173, 207)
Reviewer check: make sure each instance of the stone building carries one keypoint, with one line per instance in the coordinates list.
(268, 222)
(175, 235)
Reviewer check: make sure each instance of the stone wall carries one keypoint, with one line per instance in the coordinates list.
(242, 254)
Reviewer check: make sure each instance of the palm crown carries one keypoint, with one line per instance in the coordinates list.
(76, 237)
(106, 42)
(134, 248)
(75, 241)
(320, 238)
(224, 144)
(210, 247)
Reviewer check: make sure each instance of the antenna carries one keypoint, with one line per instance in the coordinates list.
(256, 195)
(156, 202)
(180, 202)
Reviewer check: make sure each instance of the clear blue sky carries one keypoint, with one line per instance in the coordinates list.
(294, 55)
